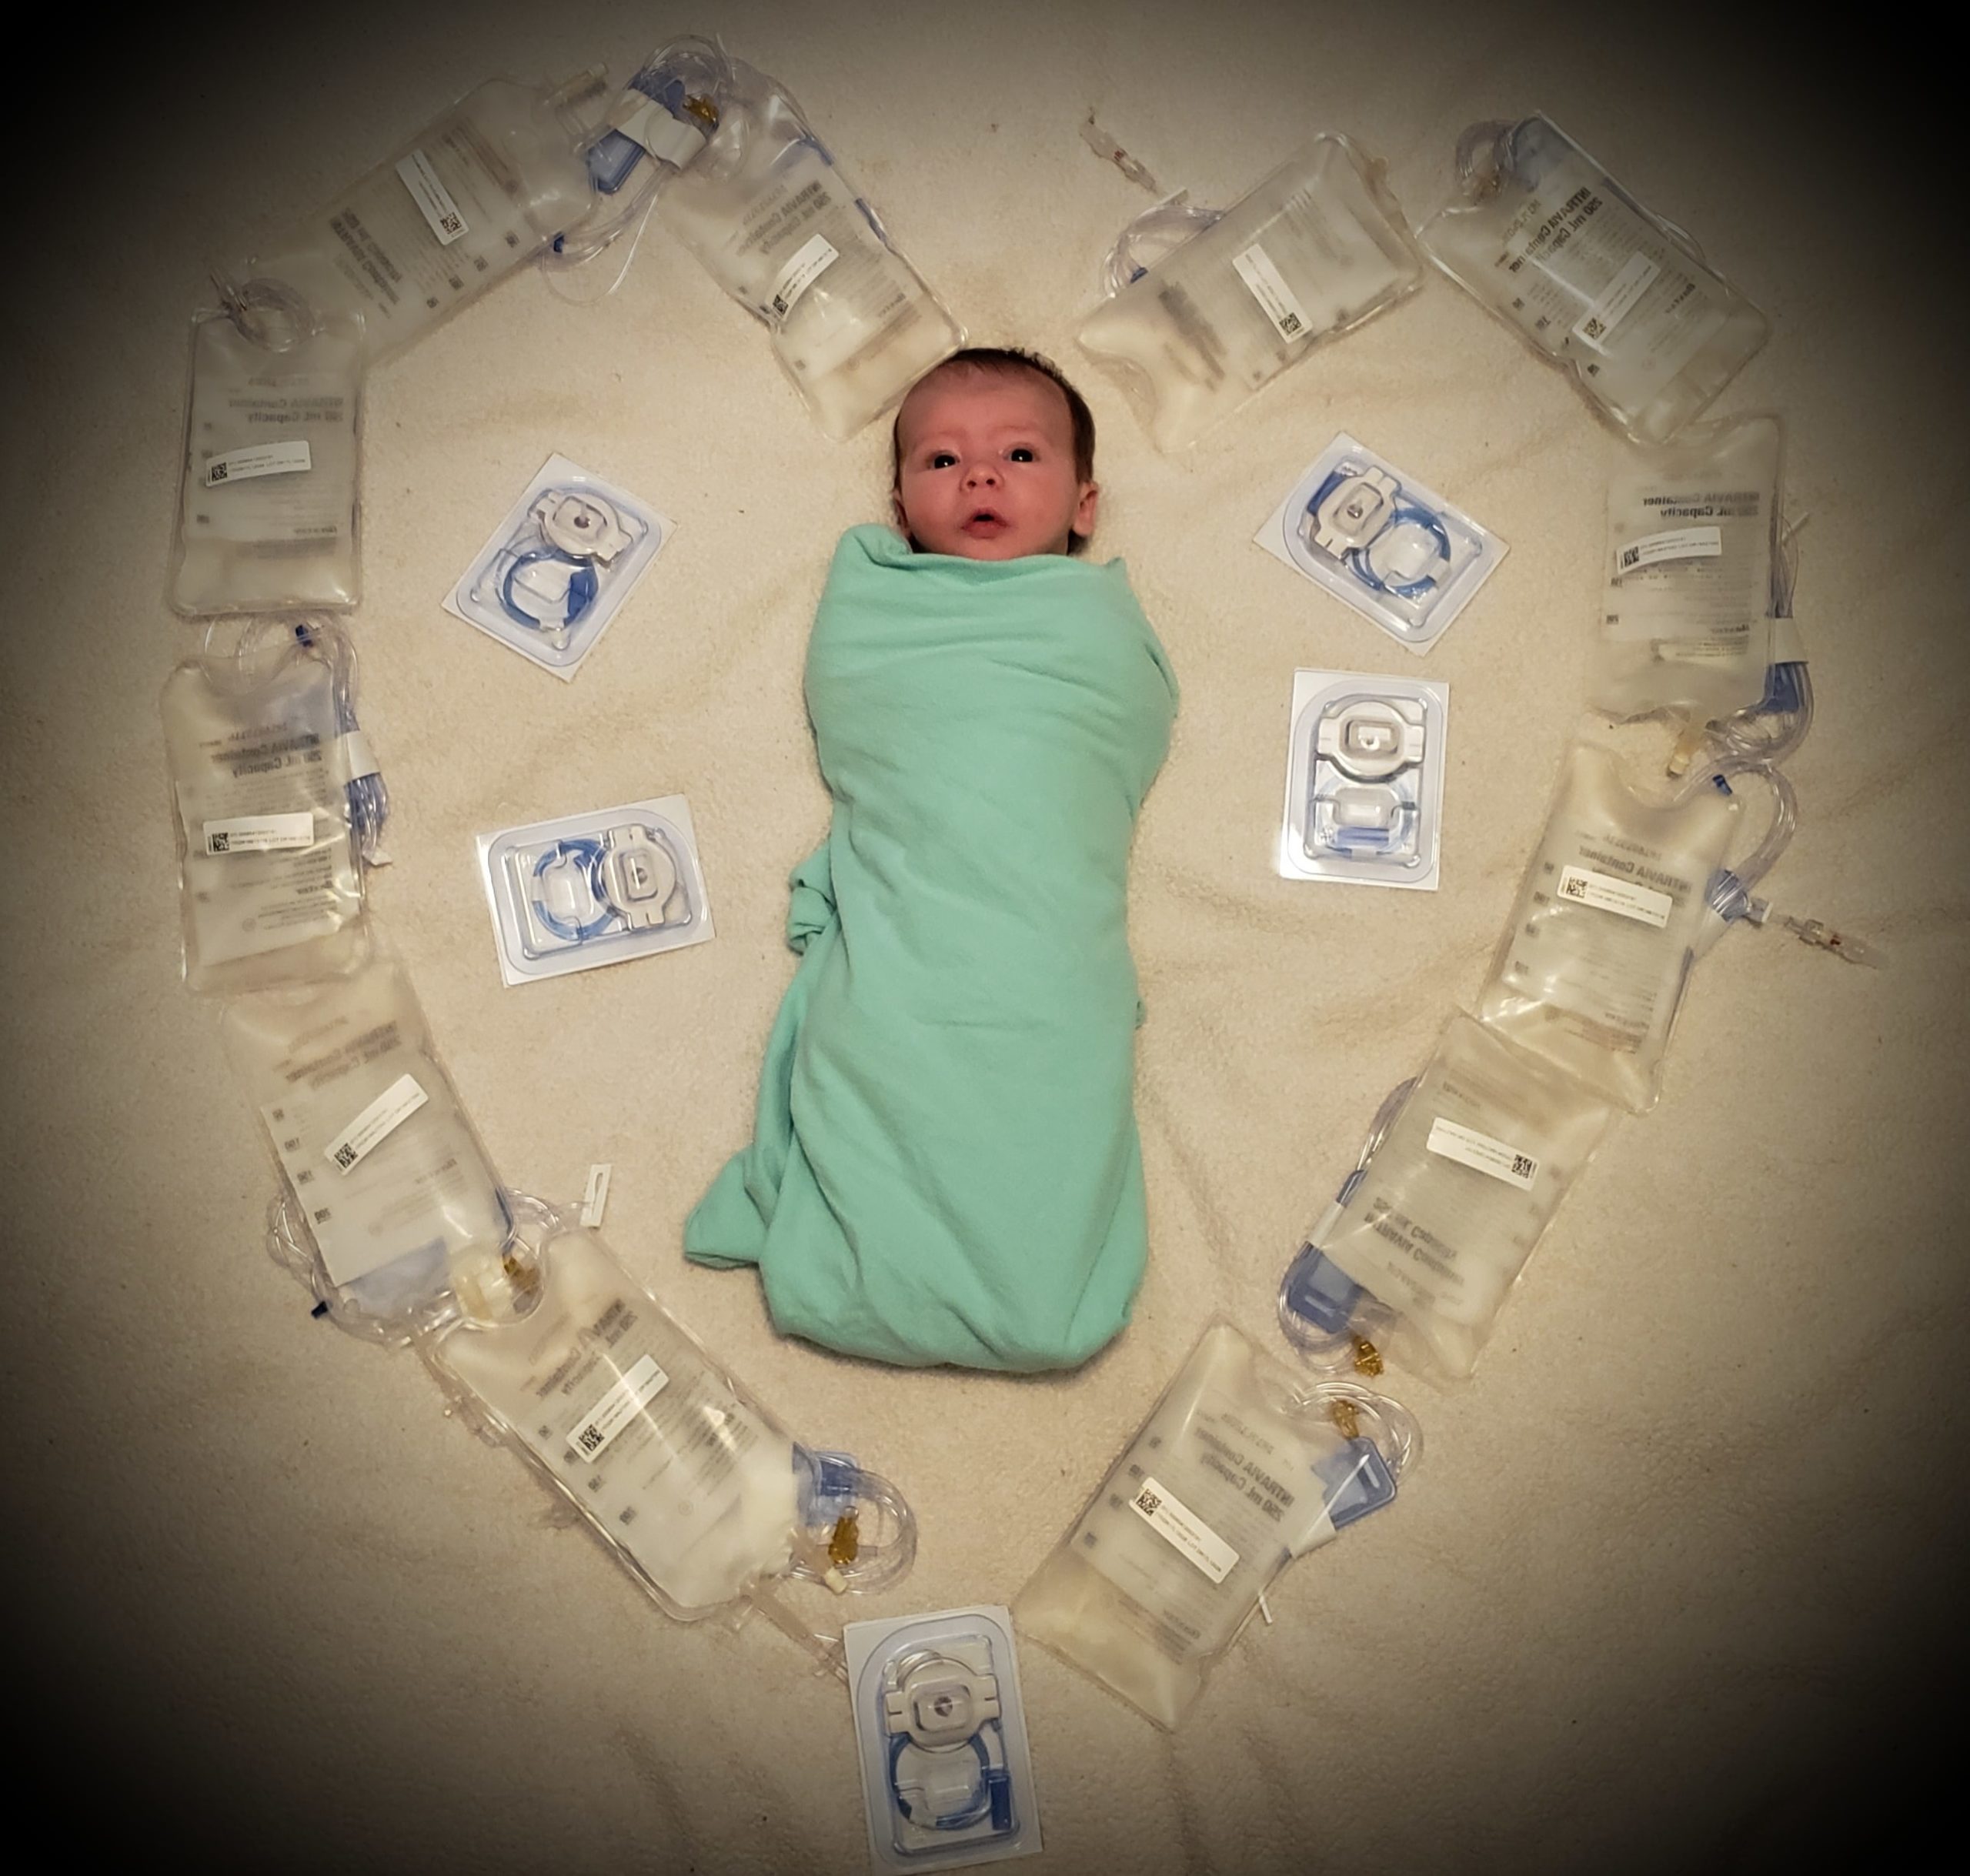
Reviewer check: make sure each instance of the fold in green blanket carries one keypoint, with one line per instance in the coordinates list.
(945, 1165)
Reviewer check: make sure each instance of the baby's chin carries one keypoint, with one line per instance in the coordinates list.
(997, 547)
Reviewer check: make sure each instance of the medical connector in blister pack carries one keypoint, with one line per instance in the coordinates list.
(1380, 542)
(1316, 248)
(553, 574)
(267, 509)
(940, 1732)
(594, 889)
(387, 1195)
(1364, 780)
(278, 803)
(1592, 971)
(479, 191)
(1693, 556)
(1549, 242)
(1241, 1468)
(780, 228)
(1464, 1170)
(554, 1350)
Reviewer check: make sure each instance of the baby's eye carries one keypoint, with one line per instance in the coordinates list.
(1020, 453)
(942, 458)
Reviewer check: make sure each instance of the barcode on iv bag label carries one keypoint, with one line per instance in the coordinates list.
(1671, 544)
(626, 1397)
(1183, 1529)
(256, 459)
(1449, 1140)
(259, 833)
(1582, 885)
(1615, 302)
(434, 200)
(1268, 285)
(814, 257)
(387, 1112)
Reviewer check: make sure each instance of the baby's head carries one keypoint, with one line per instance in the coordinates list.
(993, 457)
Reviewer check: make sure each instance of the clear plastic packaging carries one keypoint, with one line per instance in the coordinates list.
(1592, 971)
(267, 507)
(594, 889)
(389, 1192)
(1554, 246)
(1430, 1232)
(564, 562)
(1381, 543)
(777, 226)
(1316, 248)
(472, 197)
(1364, 780)
(1693, 533)
(1241, 1468)
(941, 1734)
(276, 794)
(555, 1351)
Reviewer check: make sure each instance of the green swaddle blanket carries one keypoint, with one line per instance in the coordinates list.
(945, 1165)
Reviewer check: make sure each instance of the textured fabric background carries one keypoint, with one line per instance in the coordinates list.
(1681, 1572)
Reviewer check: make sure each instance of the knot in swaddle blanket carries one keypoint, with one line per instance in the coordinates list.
(945, 1165)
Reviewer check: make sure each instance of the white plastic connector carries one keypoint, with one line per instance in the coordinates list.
(1355, 512)
(638, 876)
(941, 1701)
(1372, 738)
(582, 525)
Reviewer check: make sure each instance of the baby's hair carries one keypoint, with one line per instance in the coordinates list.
(1013, 358)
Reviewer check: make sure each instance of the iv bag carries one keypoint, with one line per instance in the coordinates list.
(1590, 973)
(780, 228)
(1316, 248)
(1552, 245)
(474, 196)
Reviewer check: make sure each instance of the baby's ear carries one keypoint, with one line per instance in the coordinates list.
(896, 511)
(1083, 520)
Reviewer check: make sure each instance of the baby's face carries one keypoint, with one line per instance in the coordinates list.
(986, 467)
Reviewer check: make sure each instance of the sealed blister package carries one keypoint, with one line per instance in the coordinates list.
(1364, 780)
(267, 507)
(277, 799)
(1316, 248)
(1590, 972)
(762, 206)
(1428, 1235)
(1548, 241)
(389, 1193)
(475, 195)
(1382, 542)
(1241, 1468)
(594, 889)
(940, 1734)
(1693, 531)
(560, 566)
(695, 1488)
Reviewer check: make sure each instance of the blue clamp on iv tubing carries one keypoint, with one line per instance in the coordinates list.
(995, 1798)
(369, 799)
(586, 855)
(583, 587)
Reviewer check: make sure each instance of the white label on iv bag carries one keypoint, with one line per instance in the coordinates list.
(1183, 1529)
(387, 1112)
(626, 1397)
(1268, 285)
(812, 257)
(1612, 307)
(434, 200)
(258, 459)
(1670, 544)
(1580, 886)
(1482, 1153)
(259, 833)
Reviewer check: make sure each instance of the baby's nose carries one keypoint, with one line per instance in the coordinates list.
(986, 472)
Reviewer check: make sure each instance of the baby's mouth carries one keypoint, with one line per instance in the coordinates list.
(984, 523)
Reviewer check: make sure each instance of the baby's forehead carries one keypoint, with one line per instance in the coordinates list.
(966, 392)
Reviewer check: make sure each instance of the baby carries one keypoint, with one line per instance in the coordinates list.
(945, 1165)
